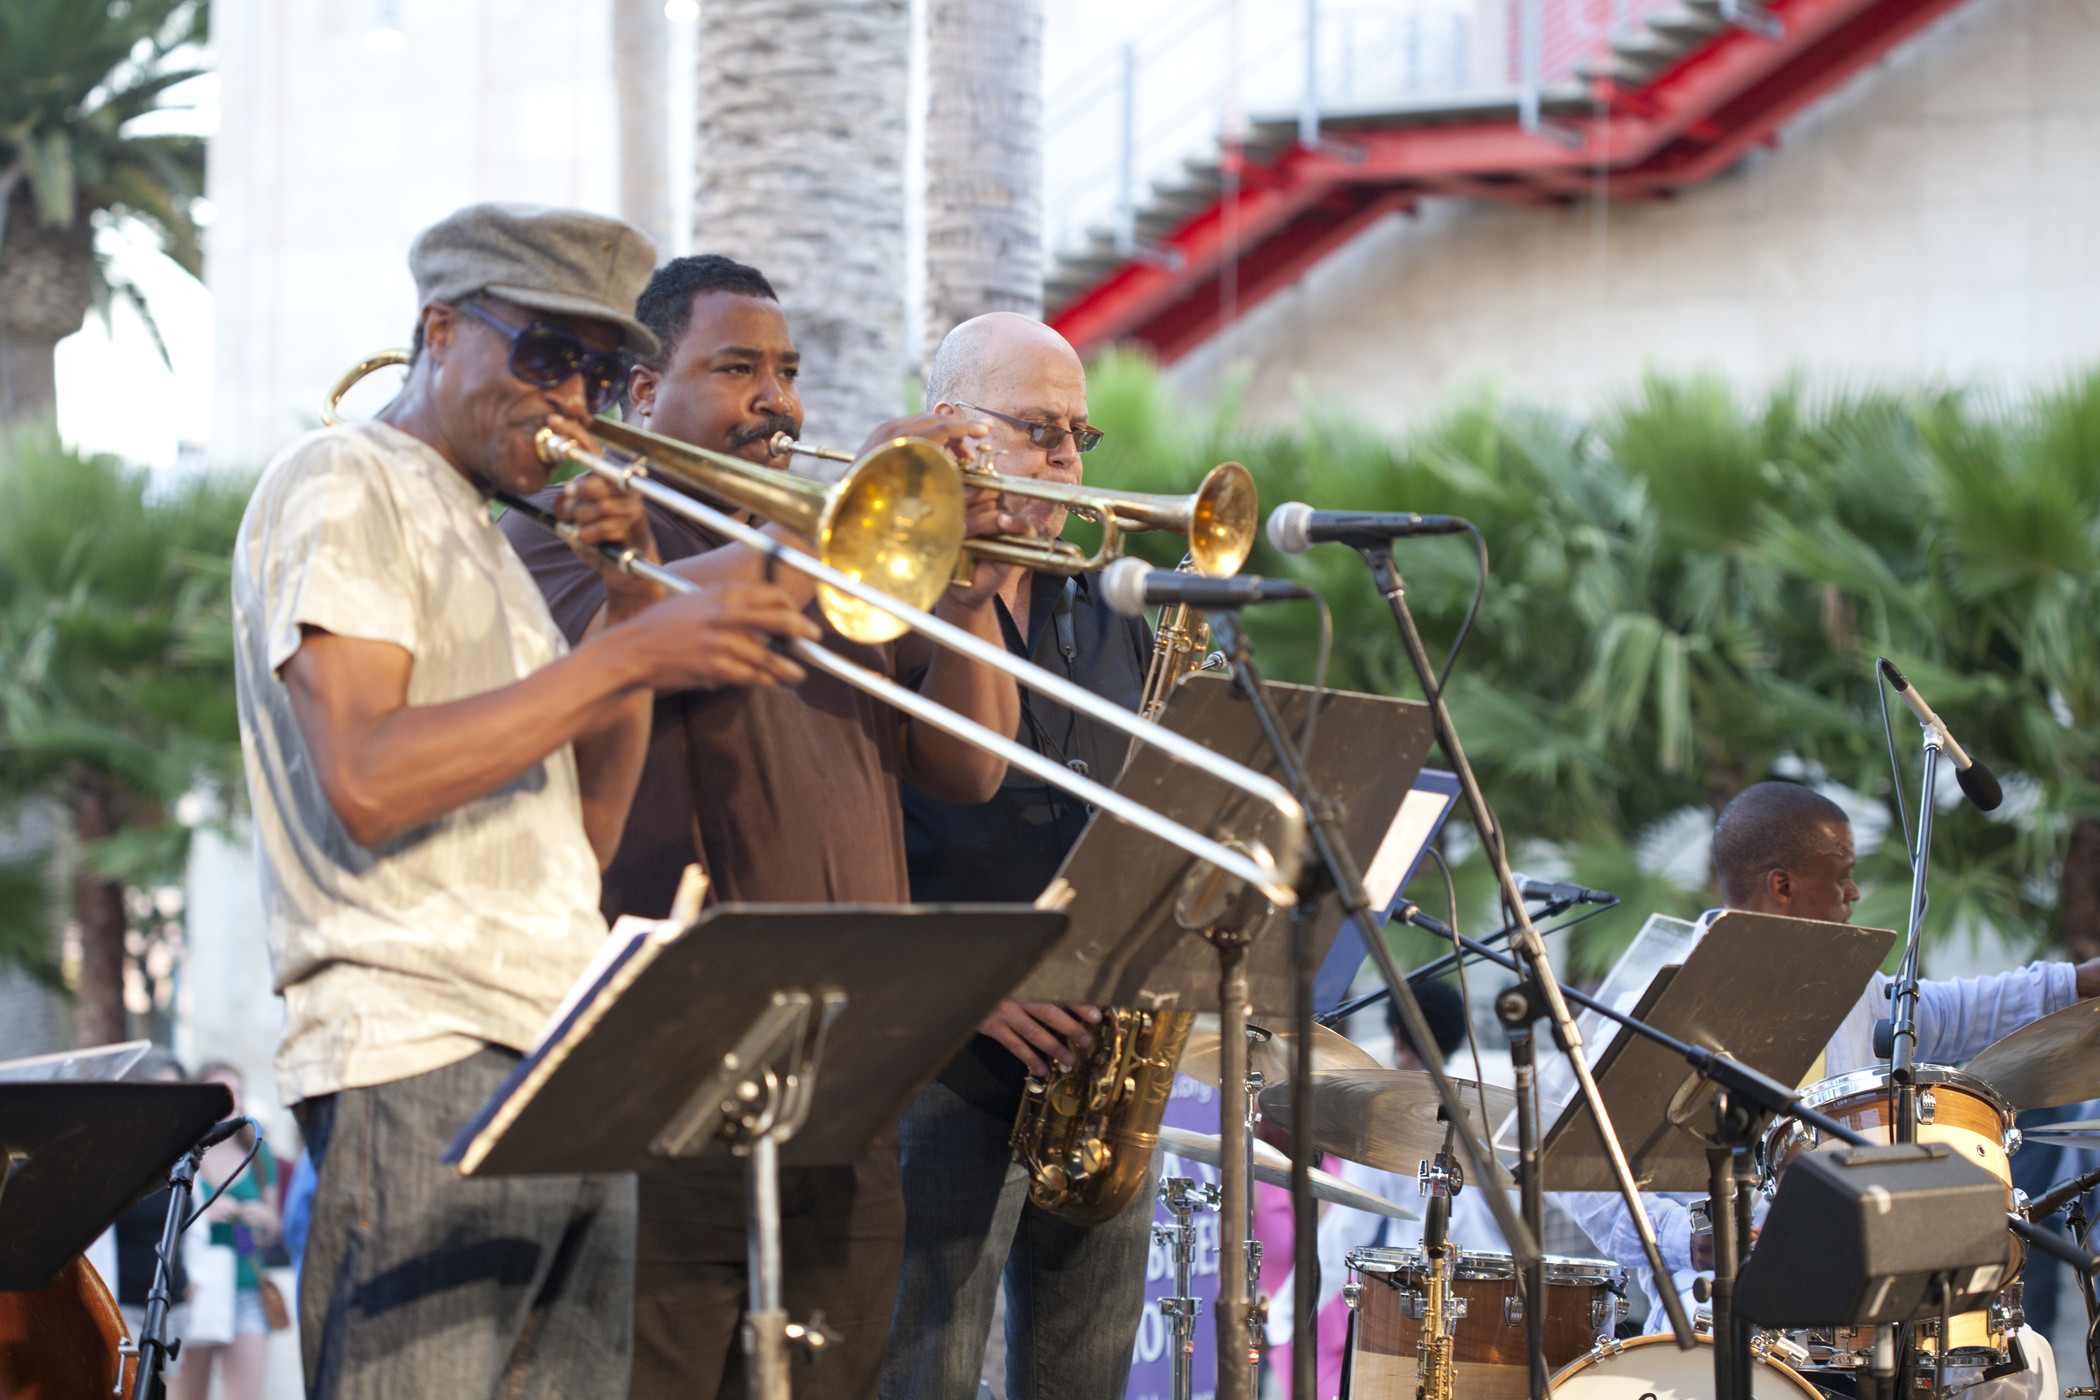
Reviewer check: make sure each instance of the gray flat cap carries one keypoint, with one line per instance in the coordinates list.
(566, 261)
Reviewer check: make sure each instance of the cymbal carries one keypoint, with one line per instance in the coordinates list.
(1332, 1052)
(1275, 1168)
(1384, 1118)
(2045, 1063)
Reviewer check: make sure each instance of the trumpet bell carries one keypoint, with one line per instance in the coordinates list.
(1222, 519)
(894, 522)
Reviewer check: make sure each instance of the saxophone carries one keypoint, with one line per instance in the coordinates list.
(1087, 1133)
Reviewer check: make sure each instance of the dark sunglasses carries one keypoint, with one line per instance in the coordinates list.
(546, 356)
(1048, 436)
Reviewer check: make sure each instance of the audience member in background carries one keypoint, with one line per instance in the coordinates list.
(138, 1229)
(1343, 1229)
(243, 1220)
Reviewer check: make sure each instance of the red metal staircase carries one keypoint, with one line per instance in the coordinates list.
(1675, 101)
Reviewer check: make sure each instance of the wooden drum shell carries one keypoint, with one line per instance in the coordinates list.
(63, 1342)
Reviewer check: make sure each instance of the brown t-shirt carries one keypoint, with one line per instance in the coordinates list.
(788, 795)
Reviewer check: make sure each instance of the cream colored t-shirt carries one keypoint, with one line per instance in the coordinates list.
(399, 959)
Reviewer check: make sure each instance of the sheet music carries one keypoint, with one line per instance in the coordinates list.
(1661, 942)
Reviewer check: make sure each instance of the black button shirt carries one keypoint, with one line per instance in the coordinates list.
(1007, 849)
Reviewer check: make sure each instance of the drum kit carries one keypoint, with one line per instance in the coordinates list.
(1971, 1111)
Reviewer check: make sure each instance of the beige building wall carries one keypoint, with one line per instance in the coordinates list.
(333, 150)
(1938, 218)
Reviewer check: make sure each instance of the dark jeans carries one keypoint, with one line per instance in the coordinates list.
(418, 1281)
(841, 1244)
(1074, 1294)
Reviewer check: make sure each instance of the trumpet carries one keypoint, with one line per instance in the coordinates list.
(895, 518)
(1257, 864)
(1218, 518)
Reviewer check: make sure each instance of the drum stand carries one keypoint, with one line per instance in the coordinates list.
(1183, 1198)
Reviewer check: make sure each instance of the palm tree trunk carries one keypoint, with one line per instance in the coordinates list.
(46, 276)
(640, 36)
(984, 161)
(800, 172)
(2078, 897)
(98, 907)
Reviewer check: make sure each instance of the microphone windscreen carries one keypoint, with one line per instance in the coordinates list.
(1123, 585)
(1895, 677)
(1981, 784)
(1288, 527)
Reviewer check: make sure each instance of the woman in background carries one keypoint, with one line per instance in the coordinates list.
(243, 1220)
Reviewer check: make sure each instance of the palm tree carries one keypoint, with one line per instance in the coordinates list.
(641, 78)
(801, 174)
(984, 161)
(1688, 593)
(73, 75)
(117, 697)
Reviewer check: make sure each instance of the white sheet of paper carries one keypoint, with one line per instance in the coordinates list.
(626, 932)
(1402, 845)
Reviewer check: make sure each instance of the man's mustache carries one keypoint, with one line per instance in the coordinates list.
(772, 423)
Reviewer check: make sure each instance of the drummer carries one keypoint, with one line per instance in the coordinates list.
(1782, 848)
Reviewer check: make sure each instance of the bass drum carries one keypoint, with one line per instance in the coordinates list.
(64, 1342)
(1652, 1368)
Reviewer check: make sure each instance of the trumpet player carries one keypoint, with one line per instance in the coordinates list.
(1074, 1293)
(436, 777)
(791, 800)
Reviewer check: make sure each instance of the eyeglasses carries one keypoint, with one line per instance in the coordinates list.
(1048, 436)
(546, 356)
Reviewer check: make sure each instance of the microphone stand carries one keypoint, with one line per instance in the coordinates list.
(1338, 869)
(1342, 1011)
(1531, 948)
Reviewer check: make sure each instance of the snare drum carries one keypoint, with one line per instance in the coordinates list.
(1585, 1298)
(1652, 1368)
(1954, 1108)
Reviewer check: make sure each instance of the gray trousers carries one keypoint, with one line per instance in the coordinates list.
(1074, 1294)
(417, 1281)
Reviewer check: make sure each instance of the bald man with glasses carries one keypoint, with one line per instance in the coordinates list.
(1074, 1294)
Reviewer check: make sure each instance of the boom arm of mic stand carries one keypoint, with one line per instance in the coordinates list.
(1344, 1010)
(1334, 857)
(1754, 1086)
(1538, 964)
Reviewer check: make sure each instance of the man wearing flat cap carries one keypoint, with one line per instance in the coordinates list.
(437, 780)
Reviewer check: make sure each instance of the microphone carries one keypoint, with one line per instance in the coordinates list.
(1131, 585)
(1560, 891)
(1295, 527)
(1977, 781)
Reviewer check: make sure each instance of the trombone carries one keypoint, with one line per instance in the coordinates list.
(1248, 860)
(897, 516)
(1218, 517)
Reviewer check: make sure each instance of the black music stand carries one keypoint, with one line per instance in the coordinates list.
(777, 1033)
(77, 1155)
(1765, 990)
(1124, 946)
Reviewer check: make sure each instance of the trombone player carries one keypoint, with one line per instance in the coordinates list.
(1075, 1294)
(791, 800)
(436, 777)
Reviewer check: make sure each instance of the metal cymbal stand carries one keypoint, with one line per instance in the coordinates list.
(1183, 1198)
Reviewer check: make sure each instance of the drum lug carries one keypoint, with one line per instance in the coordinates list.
(127, 1351)
(1605, 1313)
(2014, 1141)
(2008, 1311)
(1926, 1106)
(1513, 1311)
(1353, 1293)
(1411, 1304)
